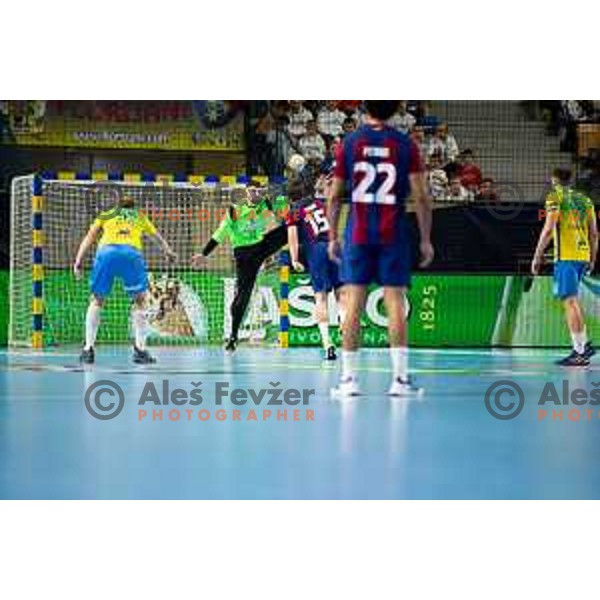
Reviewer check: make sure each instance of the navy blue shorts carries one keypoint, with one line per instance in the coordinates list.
(118, 261)
(567, 277)
(383, 264)
(324, 275)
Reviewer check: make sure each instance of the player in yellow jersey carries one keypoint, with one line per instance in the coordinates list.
(571, 224)
(119, 255)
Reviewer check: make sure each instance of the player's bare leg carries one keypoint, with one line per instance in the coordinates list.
(395, 304)
(92, 323)
(322, 317)
(140, 329)
(355, 297)
(582, 349)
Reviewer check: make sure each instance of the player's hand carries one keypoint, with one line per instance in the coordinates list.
(427, 254)
(334, 252)
(297, 266)
(198, 261)
(78, 270)
(536, 265)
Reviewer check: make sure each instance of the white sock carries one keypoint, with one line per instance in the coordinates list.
(399, 358)
(349, 361)
(341, 315)
(139, 328)
(579, 341)
(324, 329)
(92, 322)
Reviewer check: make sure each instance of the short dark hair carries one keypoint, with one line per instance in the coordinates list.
(381, 109)
(563, 174)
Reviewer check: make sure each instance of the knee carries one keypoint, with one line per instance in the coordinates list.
(140, 301)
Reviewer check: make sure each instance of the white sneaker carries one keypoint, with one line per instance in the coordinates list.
(404, 387)
(346, 389)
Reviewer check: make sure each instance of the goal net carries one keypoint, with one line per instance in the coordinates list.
(49, 218)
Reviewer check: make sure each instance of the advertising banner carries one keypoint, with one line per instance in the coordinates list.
(161, 125)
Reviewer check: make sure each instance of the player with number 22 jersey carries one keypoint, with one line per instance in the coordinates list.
(377, 169)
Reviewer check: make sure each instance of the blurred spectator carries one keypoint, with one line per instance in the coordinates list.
(273, 142)
(298, 116)
(456, 192)
(349, 106)
(402, 121)
(468, 171)
(443, 144)
(311, 144)
(349, 125)
(487, 191)
(437, 179)
(426, 119)
(330, 119)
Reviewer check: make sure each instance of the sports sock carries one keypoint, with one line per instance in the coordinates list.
(139, 328)
(92, 322)
(324, 329)
(579, 340)
(399, 358)
(349, 360)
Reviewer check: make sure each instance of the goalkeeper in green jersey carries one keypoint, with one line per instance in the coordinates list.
(254, 234)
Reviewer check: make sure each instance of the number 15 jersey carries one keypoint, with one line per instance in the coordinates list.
(375, 165)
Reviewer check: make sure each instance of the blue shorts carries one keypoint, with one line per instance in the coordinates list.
(383, 264)
(122, 261)
(567, 277)
(324, 276)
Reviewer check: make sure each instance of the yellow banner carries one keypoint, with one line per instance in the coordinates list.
(165, 125)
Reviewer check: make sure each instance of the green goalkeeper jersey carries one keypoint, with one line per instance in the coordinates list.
(247, 224)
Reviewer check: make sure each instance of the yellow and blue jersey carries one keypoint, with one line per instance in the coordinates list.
(124, 227)
(571, 234)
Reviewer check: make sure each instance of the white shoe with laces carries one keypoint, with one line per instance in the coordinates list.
(346, 389)
(404, 387)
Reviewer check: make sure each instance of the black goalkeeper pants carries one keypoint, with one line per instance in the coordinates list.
(248, 261)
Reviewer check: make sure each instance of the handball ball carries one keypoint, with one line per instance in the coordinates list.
(296, 163)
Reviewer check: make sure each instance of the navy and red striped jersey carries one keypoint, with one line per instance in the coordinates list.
(375, 165)
(310, 217)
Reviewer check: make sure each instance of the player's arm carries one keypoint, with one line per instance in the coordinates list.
(423, 208)
(165, 247)
(217, 237)
(292, 234)
(88, 241)
(593, 233)
(334, 204)
(544, 240)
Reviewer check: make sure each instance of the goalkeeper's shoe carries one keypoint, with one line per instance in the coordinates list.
(574, 360)
(142, 357)
(231, 345)
(404, 387)
(87, 356)
(589, 350)
(330, 353)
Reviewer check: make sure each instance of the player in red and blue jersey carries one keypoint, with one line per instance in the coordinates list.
(308, 227)
(377, 169)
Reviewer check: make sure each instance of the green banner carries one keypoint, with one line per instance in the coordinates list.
(443, 311)
(193, 307)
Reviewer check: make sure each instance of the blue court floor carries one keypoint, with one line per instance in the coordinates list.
(445, 444)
